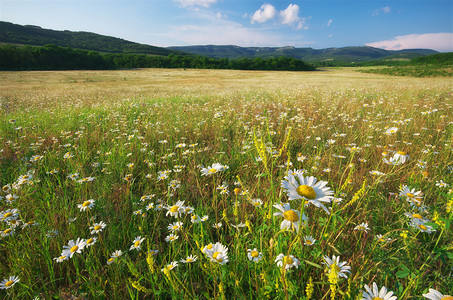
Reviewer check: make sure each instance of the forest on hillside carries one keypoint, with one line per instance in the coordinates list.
(52, 57)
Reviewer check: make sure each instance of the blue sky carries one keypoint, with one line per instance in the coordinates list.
(394, 24)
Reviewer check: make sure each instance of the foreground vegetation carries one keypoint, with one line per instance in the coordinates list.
(206, 184)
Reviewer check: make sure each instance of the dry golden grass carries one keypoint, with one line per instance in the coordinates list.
(50, 88)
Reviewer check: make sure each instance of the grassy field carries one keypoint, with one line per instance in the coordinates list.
(203, 184)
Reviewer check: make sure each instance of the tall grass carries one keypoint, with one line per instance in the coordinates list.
(137, 158)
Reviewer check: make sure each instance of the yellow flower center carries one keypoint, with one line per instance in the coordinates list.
(237, 191)
(212, 171)
(447, 297)
(254, 253)
(422, 227)
(194, 217)
(111, 259)
(89, 241)
(377, 298)
(175, 227)
(308, 242)
(7, 231)
(410, 195)
(401, 153)
(137, 243)
(287, 260)
(306, 192)
(8, 214)
(174, 208)
(337, 268)
(417, 216)
(291, 215)
(9, 283)
(189, 260)
(74, 249)
(86, 203)
(97, 227)
(209, 246)
(215, 255)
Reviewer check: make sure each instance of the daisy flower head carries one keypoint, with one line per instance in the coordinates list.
(88, 204)
(61, 258)
(91, 241)
(195, 219)
(189, 259)
(341, 268)
(170, 266)
(254, 255)
(291, 217)
(171, 238)
(410, 194)
(256, 202)
(218, 253)
(137, 243)
(309, 240)
(97, 227)
(309, 189)
(362, 227)
(391, 130)
(7, 232)
(9, 282)
(73, 247)
(176, 226)
(441, 184)
(287, 261)
(376, 294)
(420, 225)
(436, 295)
(210, 170)
(176, 209)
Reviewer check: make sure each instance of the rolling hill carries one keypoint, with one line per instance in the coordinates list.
(34, 35)
(345, 54)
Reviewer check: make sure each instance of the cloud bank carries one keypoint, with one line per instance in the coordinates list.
(266, 12)
(442, 42)
(288, 16)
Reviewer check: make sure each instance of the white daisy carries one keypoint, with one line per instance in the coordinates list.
(217, 253)
(287, 261)
(89, 204)
(189, 259)
(309, 241)
(435, 295)
(170, 266)
(73, 247)
(341, 268)
(171, 238)
(291, 217)
(308, 189)
(216, 167)
(9, 282)
(97, 227)
(362, 227)
(176, 209)
(376, 294)
(137, 243)
(176, 226)
(254, 255)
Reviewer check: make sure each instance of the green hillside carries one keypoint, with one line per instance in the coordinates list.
(37, 36)
(344, 54)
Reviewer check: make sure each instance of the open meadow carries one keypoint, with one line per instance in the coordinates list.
(221, 184)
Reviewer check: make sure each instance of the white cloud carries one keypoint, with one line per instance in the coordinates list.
(442, 42)
(290, 15)
(265, 13)
(204, 3)
(329, 22)
(382, 10)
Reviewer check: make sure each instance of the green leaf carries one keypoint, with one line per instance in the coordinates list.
(450, 255)
(402, 273)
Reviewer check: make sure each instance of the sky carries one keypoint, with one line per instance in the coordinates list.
(391, 25)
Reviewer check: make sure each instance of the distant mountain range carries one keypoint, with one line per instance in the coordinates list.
(345, 54)
(34, 35)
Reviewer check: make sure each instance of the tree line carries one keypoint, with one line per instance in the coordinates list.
(52, 57)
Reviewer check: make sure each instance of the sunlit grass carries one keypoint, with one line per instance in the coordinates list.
(192, 184)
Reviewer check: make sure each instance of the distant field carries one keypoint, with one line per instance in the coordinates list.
(218, 184)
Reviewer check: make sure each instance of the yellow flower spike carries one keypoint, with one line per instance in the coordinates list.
(249, 225)
(150, 261)
(221, 291)
(309, 288)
